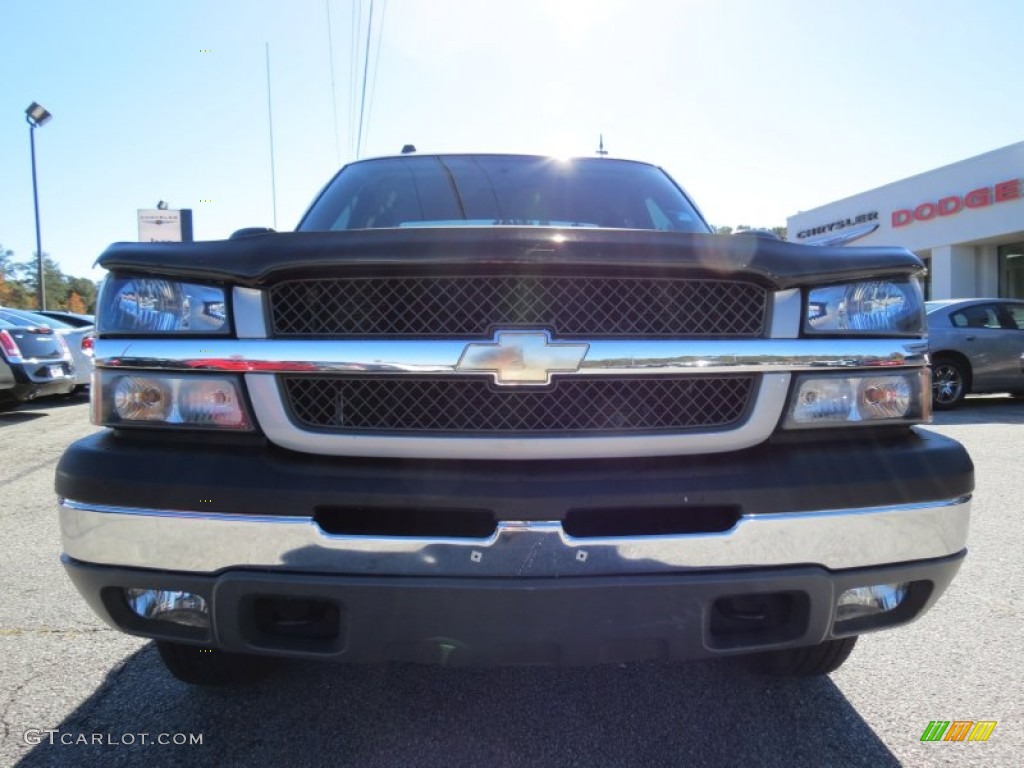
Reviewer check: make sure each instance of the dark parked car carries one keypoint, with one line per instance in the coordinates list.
(71, 318)
(39, 361)
(79, 339)
(976, 345)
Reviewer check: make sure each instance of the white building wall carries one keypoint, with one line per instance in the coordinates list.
(953, 271)
(960, 213)
(987, 270)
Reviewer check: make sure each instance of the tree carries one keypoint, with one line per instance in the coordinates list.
(780, 231)
(85, 289)
(18, 282)
(12, 292)
(75, 303)
(54, 281)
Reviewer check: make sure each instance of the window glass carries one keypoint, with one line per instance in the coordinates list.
(495, 190)
(661, 221)
(1011, 271)
(1015, 313)
(983, 316)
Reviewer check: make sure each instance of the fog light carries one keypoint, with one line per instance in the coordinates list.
(868, 601)
(167, 605)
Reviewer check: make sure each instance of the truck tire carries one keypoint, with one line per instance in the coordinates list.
(212, 667)
(804, 662)
(949, 383)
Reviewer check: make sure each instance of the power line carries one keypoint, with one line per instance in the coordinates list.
(362, 103)
(353, 73)
(270, 125)
(376, 62)
(334, 91)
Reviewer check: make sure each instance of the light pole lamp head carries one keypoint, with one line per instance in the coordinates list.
(37, 115)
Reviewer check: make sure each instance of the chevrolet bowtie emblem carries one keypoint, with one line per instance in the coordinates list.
(522, 357)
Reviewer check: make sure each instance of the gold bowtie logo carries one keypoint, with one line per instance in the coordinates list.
(522, 357)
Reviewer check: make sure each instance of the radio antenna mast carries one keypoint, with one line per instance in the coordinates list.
(600, 146)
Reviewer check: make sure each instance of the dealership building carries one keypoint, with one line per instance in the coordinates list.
(965, 220)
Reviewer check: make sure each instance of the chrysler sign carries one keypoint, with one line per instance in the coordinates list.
(824, 229)
(164, 226)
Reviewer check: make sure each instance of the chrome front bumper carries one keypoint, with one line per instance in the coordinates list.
(202, 542)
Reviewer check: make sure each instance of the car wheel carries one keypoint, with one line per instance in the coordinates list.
(949, 383)
(196, 665)
(803, 662)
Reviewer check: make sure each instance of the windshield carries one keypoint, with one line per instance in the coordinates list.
(497, 190)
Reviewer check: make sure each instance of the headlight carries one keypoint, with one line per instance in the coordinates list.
(151, 305)
(870, 306)
(145, 398)
(866, 398)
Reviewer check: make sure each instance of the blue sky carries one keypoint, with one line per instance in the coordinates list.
(760, 108)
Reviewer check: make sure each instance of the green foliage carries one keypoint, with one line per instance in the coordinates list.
(727, 230)
(18, 281)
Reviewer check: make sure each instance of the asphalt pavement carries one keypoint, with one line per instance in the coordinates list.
(75, 692)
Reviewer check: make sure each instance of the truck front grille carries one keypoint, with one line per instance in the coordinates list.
(475, 405)
(476, 306)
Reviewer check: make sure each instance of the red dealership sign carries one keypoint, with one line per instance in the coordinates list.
(948, 206)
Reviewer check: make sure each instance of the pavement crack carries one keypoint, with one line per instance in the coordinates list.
(82, 715)
(22, 631)
(5, 724)
(23, 473)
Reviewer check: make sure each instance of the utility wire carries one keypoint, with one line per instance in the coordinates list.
(362, 103)
(353, 73)
(270, 125)
(334, 90)
(376, 62)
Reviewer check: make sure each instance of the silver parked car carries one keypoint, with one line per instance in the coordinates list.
(976, 345)
(79, 340)
(71, 318)
(34, 361)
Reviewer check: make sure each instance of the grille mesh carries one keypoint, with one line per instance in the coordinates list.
(582, 307)
(404, 404)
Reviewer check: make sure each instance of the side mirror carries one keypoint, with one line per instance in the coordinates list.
(250, 232)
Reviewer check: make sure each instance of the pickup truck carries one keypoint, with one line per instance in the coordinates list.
(508, 409)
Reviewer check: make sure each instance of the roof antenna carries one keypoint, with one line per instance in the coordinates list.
(600, 146)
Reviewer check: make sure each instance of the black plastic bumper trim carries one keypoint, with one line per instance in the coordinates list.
(904, 467)
(506, 621)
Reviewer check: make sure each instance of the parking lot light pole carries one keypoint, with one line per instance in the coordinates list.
(36, 116)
